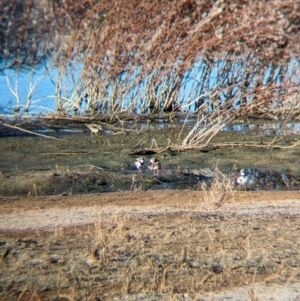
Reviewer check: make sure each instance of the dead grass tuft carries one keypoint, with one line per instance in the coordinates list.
(218, 191)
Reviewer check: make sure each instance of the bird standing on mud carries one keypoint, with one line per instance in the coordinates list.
(139, 162)
(155, 165)
(243, 179)
(94, 128)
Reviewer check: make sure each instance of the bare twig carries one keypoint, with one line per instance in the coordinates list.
(208, 147)
(29, 132)
(65, 154)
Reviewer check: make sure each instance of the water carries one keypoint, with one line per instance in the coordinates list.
(39, 86)
(269, 129)
(41, 89)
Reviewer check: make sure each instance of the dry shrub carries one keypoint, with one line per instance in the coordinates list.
(219, 191)
(141, 57)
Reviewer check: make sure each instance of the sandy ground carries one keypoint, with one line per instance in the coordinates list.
(48, 212)
(151, 245)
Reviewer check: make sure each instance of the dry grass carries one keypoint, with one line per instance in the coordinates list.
(220, 191)
(206, 51)
(167, 256)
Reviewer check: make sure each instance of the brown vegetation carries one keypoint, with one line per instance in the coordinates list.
(162, 245)
(138, 56)
(219, 60)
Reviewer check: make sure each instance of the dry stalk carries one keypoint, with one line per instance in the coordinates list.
(204, 130)
(219, 191)
(87, 165)
(29, 132)
(213, 146)
(233, 42)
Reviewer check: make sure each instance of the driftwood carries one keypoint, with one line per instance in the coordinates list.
(207, 148)
(110, 118)
(145, 151)
(29, 132)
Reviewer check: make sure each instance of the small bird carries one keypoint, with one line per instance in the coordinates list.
(94, 128)
(243, 179)
(155, 165)
(139, 162)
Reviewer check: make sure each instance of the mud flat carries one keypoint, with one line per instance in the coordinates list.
(77, 162)
(151, 245)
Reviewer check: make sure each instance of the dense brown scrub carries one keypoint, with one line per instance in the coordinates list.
(123, 44)
(137, 56)
(24, 33)
(159, 33)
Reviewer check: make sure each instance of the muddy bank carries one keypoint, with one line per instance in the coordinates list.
(79, 163)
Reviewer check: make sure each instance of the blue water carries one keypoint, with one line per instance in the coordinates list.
(273, 128)
(40, 86)
(193, 92)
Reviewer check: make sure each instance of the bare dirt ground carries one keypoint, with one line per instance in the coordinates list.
(151, 245)
(217, 244)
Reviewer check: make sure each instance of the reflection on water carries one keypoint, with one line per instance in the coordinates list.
(270, 180)
(292, 128)
(266, 129)
(59, 131)
(255, 179)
